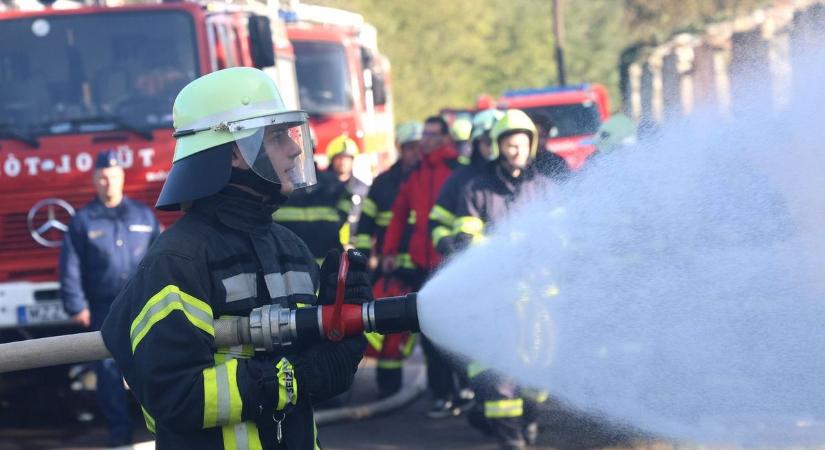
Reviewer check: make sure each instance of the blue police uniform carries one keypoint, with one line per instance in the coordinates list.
(100, 253)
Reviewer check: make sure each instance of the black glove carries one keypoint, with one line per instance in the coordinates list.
(328, 369)
(358, 286)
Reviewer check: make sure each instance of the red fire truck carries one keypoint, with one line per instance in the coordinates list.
(80, 80)
(575, 113)
(344, 82)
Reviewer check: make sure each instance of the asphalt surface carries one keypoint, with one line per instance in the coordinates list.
(404, 428)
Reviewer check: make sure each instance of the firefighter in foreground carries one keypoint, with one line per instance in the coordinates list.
(504, 409)
(390, 350)
(239, 153)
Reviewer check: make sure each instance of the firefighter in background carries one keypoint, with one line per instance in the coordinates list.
(239, 154)
(318, 214)
(390, 350)
(341, 152)
(501, 404)
(443, 214)
(548, 164)
(105, 242)
(417, 196)
(460, 131)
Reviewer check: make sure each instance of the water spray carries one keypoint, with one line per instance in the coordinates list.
(268, 328)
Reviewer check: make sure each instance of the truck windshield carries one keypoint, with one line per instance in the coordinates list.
(575, 119)
(93, 72)
(323, 80)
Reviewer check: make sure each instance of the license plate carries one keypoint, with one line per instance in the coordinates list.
(41, 313)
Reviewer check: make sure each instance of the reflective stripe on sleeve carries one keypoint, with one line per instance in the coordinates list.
(287, 384)
(439, 233)
(169, 299)
(504, 409)
(404, 261)
(241, 436)
(376, 340)
(468, 224)
(409, 345)
(222, 402)
(308, 214)
(363, 241)
(442, 215)
(150, 421)
(369, 208)
(474, 369)
(345, 205)
(411, 218)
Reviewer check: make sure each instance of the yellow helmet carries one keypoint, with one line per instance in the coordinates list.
(409, 132)
(461, 129)
(513, 120)
(341, 145)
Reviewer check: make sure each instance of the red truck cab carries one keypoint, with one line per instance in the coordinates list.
(574, 111)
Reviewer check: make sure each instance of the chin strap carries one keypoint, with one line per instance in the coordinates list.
(251, 180)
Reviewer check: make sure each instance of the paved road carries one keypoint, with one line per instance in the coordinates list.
(406, 428)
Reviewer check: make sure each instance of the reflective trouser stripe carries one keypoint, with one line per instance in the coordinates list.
(363, 241)
(468, 224)
(150, 421)
(376, 340)
(503, 409)
(389, 364)
(411, 217)
(369, 208)
(169, 299)
(439, 233)
(241, 436)
(442, 215)
(409, 345)
(535, 395)
(474, 369)
(287, 384)
(221, 397)
(308, 214)
(404, 261)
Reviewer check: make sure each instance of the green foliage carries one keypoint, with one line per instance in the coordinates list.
(446, 53)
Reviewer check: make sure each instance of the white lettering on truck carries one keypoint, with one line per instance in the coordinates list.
(83, 162)
(11, 166)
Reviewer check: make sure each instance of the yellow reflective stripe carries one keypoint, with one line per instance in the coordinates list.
(503, 409)
(306, 214)
(474, 369)
(411, 218)
(404, 261)
(439, 233)
(535, 395)
(363, 241)
(222, 403)
(409, 345)
(169, 299)
(376, 340)
(345, 205)
(319, 261)
(389, 364)
(315, 435)
(442, 215)
(287, 384)
(343, 234)
(241, 436)
(150, 421)
(238, 351)
(369, 208)
(468, 224)
(383, 218)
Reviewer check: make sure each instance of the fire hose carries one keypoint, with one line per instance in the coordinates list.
(268, 328)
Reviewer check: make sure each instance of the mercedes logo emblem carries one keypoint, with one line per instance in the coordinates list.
(57, 212)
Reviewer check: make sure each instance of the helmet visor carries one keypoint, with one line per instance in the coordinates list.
(277, 148)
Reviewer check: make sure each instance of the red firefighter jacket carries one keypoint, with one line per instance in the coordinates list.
(416, 198)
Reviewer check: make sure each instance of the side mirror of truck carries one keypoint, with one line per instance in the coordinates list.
(260, 42)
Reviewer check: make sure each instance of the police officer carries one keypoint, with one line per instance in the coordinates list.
(102, 248)
(239, 153)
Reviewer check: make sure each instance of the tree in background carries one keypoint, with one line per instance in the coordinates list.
(446, 53)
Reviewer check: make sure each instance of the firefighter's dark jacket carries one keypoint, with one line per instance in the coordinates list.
(101, 251)
(376, 211)
(316, 214)
(222, 258)
(442, 217)
(488, 197)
